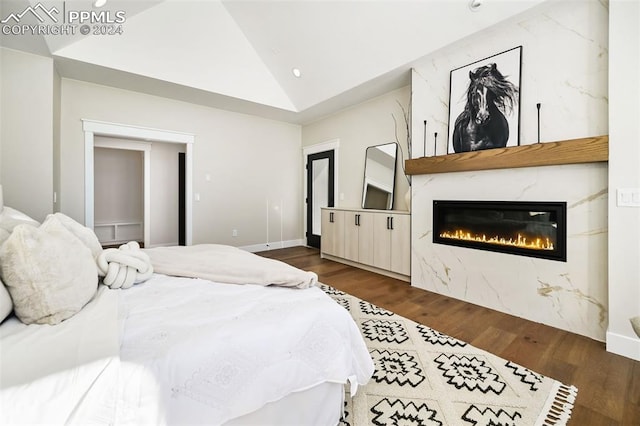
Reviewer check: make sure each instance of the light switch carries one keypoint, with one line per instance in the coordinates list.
(196, 196)
(628, 197)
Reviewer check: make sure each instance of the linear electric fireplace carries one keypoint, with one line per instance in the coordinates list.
(536, 229)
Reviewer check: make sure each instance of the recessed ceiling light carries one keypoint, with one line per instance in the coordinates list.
(296, 72)
(474, 5)
(99, 3)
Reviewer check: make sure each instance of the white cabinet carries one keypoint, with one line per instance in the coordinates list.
(358, 237)
(392, 242)
(332, 228)
(376, 240)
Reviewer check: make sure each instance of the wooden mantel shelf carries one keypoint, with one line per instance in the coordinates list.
(574, 151)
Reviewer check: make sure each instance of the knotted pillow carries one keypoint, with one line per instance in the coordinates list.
(125, 266)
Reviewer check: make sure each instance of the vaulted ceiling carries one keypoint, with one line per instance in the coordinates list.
(240, 55)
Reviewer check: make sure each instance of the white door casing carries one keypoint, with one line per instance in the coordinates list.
(94, 128)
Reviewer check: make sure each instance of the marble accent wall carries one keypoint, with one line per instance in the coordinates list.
(569, 295)
(564, 67)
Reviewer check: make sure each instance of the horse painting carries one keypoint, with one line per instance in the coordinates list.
(482, 124)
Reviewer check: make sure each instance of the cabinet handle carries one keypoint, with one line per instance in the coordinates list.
(391, 222)
(330, 217)
(357, 220)
(388, 225)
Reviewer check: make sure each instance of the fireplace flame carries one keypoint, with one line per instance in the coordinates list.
(521, 241)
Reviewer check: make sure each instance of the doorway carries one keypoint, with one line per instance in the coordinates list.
(320, 192)
(93, 128)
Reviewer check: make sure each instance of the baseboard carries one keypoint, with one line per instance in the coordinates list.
(623, 345)
(163, 245)
(273, 245)
(367, 267)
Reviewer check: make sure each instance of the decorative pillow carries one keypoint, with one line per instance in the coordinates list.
(6, 305)
(4, 234)
(49, 273)
(84, 234)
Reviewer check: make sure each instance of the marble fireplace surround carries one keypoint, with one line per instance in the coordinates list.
(569, 295)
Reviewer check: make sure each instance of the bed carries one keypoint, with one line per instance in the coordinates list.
(185, 346)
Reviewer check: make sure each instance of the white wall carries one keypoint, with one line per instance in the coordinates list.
(27, 132)
(624, 172)
(118, 182)
(250, 161)
(564, 67)
(367, 124)
(57, 87)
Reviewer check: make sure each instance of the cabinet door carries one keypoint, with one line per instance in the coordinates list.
(332, 239)
(365, 237)
(382, 241)
(351, 242)
(401, 244)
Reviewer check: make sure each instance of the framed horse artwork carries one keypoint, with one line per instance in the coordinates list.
(484, 103)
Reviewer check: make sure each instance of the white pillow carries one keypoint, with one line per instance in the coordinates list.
(6, 305)
(49, 273)
(84, 234)
(9, 219)
(10, 213)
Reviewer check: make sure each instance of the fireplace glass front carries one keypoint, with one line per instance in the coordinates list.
(536, 229)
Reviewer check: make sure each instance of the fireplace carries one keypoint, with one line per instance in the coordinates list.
(536, 229)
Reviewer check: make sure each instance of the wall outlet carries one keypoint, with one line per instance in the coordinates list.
(234, 233)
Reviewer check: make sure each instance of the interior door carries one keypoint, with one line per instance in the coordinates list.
(320, 192)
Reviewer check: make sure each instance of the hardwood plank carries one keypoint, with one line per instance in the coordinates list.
(608, 384)
(574, 151)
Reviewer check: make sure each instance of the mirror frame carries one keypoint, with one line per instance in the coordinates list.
(366, 182)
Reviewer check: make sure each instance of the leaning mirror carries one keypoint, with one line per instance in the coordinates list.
(379, 176)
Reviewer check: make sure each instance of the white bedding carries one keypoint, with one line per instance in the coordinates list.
(179, 351)
(226, 264)
(213, 352)
(62, 374)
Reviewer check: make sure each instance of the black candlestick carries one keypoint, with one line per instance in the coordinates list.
(435, 142)
(424, 150)
(538, 106)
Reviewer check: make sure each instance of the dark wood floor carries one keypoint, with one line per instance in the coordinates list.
(608, 385)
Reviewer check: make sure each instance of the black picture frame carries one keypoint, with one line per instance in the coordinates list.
(489, 116)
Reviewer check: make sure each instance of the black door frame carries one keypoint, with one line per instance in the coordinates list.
(312, 239)
(182, 199)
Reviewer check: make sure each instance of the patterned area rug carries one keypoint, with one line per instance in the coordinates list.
(424, 377)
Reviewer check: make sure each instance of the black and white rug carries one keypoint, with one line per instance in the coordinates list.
(423, 377)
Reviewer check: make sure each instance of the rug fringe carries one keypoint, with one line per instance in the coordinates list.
(557, 410)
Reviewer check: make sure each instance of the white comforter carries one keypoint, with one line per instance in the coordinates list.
(183, 351)
(213, 352)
